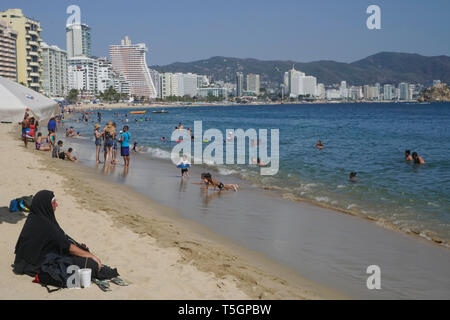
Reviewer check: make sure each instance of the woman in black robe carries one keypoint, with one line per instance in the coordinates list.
(42, 237)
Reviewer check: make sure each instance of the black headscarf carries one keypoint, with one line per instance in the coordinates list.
(41, 234)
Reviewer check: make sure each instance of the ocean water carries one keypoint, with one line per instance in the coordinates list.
(367, 138)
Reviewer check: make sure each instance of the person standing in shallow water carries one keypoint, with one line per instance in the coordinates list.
(125, 148)
(109, 133)
(98, 142)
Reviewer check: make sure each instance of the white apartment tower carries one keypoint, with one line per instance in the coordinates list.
(83, 73)
(54, 74)
(78, 40)
(253, 83)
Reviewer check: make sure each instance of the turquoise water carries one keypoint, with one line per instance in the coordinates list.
(367, 138)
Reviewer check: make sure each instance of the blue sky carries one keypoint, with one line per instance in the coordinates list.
(296, 30)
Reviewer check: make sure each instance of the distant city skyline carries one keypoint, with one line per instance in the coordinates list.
(301, 31)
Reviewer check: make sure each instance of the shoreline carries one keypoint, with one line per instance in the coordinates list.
(320, 244)
(225, 263)
(422, 234)
(119, 106)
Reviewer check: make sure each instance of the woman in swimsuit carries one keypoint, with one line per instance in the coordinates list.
(109, 133)
(39, 143)
(115, 147)
(51, 139)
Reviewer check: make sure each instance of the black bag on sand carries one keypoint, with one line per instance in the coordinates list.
(54, 272)
(25, 203)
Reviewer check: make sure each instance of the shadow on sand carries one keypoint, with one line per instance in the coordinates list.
(10, 217)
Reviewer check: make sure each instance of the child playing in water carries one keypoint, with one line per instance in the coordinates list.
(184, 166)
(209, 181)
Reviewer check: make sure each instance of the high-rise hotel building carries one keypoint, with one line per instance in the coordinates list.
(54, 75)
(130, 60)
(253, 84)
(8, 58)
(78, 40)
(239, 84)
(28, 47)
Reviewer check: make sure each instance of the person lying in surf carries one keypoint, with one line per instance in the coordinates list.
(208, 180)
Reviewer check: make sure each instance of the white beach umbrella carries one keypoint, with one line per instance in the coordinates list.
(15, 99)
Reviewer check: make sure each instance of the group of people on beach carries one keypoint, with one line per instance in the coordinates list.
(110, 140)
(30, 131)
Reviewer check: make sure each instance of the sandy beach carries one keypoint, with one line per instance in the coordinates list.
(160, 254)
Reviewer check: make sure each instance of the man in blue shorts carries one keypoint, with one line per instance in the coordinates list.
(125, 149)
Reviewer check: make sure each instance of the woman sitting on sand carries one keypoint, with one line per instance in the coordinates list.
(42, 239)
(39, 143)
(209, 181)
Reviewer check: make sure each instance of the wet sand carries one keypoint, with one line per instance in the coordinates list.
(322, 245)
(162, 254)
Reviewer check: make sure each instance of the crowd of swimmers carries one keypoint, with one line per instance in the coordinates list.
(408, 157)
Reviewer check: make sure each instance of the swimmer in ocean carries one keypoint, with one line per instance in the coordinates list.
(417, 159)
(353, 177)
(408, 156)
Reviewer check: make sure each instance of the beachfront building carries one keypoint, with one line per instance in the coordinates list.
(130, 60)
(321, 93)
(165, 85)
(404, 91)
(286, 80)
(333, 94)
(8, 58)
(202, 81)
(388, 92)
(156, 78)
(239, 84)
(105, 79)
(300, 84)
(309, 86)
(253, 83)
(78, 40)
(216, 92)
(343, 90)
(190, 84)
(82, 75)
(356, 93)
(54, 71)
(28, 47)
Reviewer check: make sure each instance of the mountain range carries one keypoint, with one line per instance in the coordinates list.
(383, 67)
